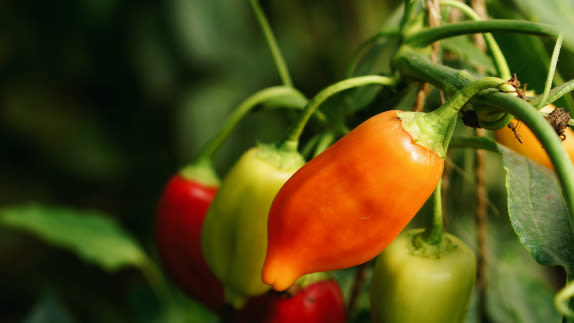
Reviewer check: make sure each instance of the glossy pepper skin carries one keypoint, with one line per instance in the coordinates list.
(234, 237)
(318, 302)
(180, 214)
(347, 204)
(410, 286)
(530, 146)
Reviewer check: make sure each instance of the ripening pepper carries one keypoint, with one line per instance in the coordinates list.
(347, 204)
(414, 281)
(234, 236)
(315, 298)
(180, 214)
(530, 146)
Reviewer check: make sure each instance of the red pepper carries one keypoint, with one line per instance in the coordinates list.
(313, 302)
(180, 216)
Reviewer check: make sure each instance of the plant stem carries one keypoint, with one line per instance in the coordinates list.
(356, 289)
(474, 143)
(434, 230)
(498, 57)
(547, 137)
(357, 54)
(410, 11)
(555, 94)
(562, 298)
(551, 70)
(156, 281)
(481, 222)
(453, 105)
(481, 194)
(433, 130)
(419, 67)
(292, 139)
(325, 141)
(272, 43)
(426, 37)
(295, 99)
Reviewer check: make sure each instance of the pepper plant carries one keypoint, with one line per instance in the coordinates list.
(357, 210)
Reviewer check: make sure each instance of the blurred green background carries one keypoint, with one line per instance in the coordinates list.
(101, 101)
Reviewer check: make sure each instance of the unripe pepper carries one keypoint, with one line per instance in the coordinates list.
(414, 281)
(234, 237)
(347, 204)
(315, 298)
(180, 214)
(530, 146)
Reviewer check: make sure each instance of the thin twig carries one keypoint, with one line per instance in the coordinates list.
(481, 219)
(358, 284)
(481, 227)
(422, 92)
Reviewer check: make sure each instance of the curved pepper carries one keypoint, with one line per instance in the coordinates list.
(530, 146)
(417, 282)
(347, 204)
(234, 237)
(180, 214)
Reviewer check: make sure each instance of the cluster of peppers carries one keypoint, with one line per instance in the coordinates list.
(262, 239)
(276, 219)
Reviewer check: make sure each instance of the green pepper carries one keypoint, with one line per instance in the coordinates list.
(414, 281)
(234, 235)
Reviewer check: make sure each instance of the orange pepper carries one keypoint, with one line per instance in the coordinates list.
(530, 146)
(347, 204)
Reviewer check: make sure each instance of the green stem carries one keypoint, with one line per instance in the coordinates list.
(474, 143)
(433, 130)
(272, 43)
(498, 57)
(326, 140)
(156, 281)
(419, 67)
(296, 99)
(393, 31)
(292, 139)
(562, 299)
(551, 70)
(453, 105)
(428, 36)
(410, 11)
(544, 132)
(555, 94)
(434, 230)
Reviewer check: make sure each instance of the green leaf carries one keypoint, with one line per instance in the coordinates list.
(517, 290)
(557, 12)
(91, 235)
(538, 212)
